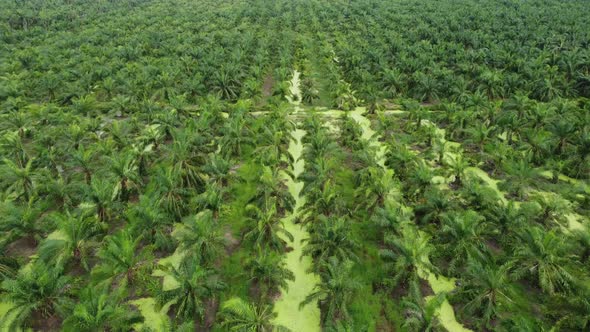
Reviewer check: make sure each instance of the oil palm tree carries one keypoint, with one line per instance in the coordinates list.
(121, 258)
(419, 179)
(22, 220)
(509, 122)
(464, 236)
(331, 237)
(265, 227)
(326, 201)
(375, 187)
(543, 257)
(269, 272)
(391, 217)
(272, 189)
(405, 255)
(309, 92)
(212, 198)
(479, 135)
(434, 207)
(103, 192)
(147, 219)
(563, 131)
(336, 290)
(241, 316)
(235, 136)
(84, 158)
(400, 158)
(487, 292)
(196, 285)
(440, 148)
(317, 173)
(350, 132)
(417, 112)
(77, 234)
(18, 179)
(319, 145)
(392, 82)
(521, 174)
(226, 83)
(218, 168)
(506, 218)
(8, 267)
(99, 309)
(272, 145)
(167, 185)
(200, 235)
(537, 144)
(458, 165)
(184, 159)
(36, 294)
(574, 311)
(421, 315)
(553, 207)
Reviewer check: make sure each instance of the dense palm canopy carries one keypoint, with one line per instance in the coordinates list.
(209, 165)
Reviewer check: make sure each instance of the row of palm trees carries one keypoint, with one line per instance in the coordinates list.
(99, 200)
(331, 243)
(503, 253)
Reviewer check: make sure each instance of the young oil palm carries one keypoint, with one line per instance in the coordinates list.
(99, 309)
(36, 294)
(464, 235)
(269, 272)
(331, 237)
(336, 290)
(22, 220)
(147, 219)
(76, 236)
(542, 256)
(405, 255)
(487, 292)
(238, 315)
(21, 180)
(272, 189)
(196, 285)
(265, 227)
(121, 258)
(421, 315)
(200, 235)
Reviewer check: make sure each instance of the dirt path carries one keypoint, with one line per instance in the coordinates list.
(287, 306)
